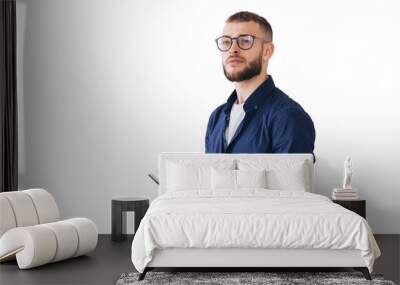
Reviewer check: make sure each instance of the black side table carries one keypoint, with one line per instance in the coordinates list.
(357, 206)
(119, 207)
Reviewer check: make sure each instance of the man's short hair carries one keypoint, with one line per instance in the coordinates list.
(245, 16)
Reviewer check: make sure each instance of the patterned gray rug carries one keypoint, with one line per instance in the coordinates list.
(270, 278)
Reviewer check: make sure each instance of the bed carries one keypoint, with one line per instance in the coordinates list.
(245, 211)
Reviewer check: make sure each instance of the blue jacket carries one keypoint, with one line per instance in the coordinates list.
(273, 123)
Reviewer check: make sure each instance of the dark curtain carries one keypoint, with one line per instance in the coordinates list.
(8, 97)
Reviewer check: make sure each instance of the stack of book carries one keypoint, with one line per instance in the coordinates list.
(344, 194)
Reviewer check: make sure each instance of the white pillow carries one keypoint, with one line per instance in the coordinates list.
(281, 174)
(292, 178)
(223, 179)
(251, 178)
(183, 177)
(237, 179)
(189, 174)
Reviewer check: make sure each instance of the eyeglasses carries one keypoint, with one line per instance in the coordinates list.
(244, 42)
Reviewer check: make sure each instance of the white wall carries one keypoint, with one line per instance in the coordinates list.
(104, 86)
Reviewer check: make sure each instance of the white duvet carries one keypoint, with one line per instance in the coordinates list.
(250, 218)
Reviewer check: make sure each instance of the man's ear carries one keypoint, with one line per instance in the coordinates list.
(269, 50)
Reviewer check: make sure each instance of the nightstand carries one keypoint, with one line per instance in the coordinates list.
(119, 207)
(357, 206)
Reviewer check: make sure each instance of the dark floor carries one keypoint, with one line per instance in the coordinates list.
(111, 259)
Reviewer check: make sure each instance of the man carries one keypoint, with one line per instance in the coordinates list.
(257, 117)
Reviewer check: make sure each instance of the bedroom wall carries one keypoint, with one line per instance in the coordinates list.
(104, 86)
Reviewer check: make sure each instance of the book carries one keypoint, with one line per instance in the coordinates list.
(346, 198)
(341, 190)
(338, 197)
(345, 194)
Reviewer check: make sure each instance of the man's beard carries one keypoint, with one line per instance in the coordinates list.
(247, 73)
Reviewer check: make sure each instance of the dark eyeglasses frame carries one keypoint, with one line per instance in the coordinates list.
(236, 39)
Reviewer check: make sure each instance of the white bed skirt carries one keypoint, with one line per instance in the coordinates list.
(251, 257)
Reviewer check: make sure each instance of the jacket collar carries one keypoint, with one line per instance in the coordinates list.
(255, 99)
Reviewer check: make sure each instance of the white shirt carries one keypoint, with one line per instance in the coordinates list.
(236, 116)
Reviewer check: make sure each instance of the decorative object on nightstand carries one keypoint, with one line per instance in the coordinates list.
(348, 173)
(119, 207)
(346, 192)
(357, 206)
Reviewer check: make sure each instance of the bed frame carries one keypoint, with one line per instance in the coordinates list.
(248, 259)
